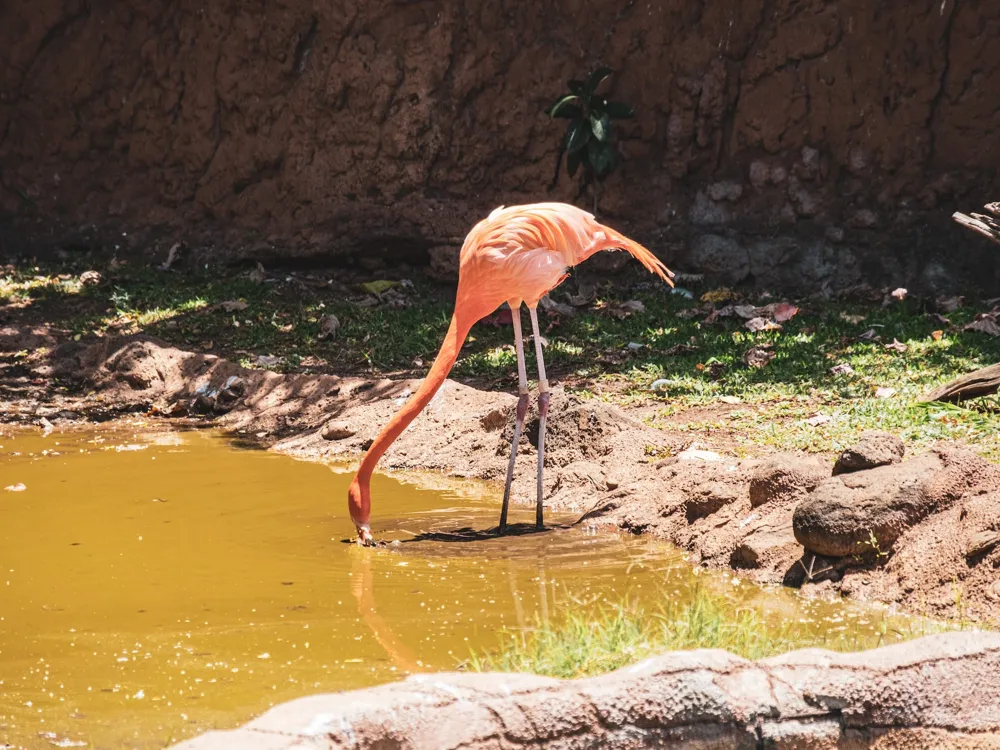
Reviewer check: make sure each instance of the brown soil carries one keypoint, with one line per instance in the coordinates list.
(386, 129)
(602, 463)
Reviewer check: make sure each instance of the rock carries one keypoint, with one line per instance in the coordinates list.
(764, 545)
(337, 431)
(694, 453)
(230, 393)
(708, 498)
(328, 326)
(866, 512)
(857, 161)
(785, 478)
(721, 257)
(444, 262)
(810, 163)
(949, 683)
(725, 191)
(804, 201)
(874, 448)
(862, 219)
(706, 212)
(759, 174)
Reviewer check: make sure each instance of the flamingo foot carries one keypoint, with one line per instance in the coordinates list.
(522, 410)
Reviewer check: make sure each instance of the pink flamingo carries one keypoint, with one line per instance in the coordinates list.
(516, 255)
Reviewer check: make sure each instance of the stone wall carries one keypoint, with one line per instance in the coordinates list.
(848, 129)
(939, 691)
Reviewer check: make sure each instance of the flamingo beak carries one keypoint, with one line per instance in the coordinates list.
(365, 538)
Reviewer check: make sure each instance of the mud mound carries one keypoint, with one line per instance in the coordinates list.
(915, 694)
(865, 512)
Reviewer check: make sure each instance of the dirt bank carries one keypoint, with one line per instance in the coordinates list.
(835, 138)
(910, 695)
(921, 531)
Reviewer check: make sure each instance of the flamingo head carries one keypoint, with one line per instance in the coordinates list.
(359, 504)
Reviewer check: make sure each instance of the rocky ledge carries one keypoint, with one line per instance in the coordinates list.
(941, 690)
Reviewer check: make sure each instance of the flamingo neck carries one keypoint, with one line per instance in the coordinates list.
(445, 360)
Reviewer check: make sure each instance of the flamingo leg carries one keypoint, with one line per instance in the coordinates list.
(543, 410)
(522, 409)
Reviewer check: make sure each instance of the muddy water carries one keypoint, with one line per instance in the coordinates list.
(157, 584)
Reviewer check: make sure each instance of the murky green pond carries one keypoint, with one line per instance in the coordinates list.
(154, 585)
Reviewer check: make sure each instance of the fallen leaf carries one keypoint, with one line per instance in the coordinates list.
(984, 324)
(634, 305)
(367, 302)
(379, 286)
(689, 313)
(172, 254)
(783, 312)
(551, 306)
(699, 367)
(232, 305)
(258, 275)
(885, 392)
(19, 487)
(898, 294)
(730, 399)
(941, 320)
(745, 311)
(660, 384)
(758, 356)
(950, 304)
(719, 295)
(90, 277)
(819, 419)
(936, 335)
(855, 319)
(267, 360)
(870, 335)
(328, 326)
(842, 369)
(680, 349)
(504, 317)
(633, 346)
(762, 324)
(896, 346)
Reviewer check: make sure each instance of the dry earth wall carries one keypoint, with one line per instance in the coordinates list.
(813, 143)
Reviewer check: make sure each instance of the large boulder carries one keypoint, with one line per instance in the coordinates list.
(874, 449)
(866, 512)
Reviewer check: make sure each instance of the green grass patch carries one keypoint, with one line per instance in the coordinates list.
(589, 640)
(699, 365)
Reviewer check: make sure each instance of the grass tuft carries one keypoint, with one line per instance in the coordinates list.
(588, 641)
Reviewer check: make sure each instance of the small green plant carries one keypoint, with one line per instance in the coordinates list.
(876, 548)
(588, 142)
